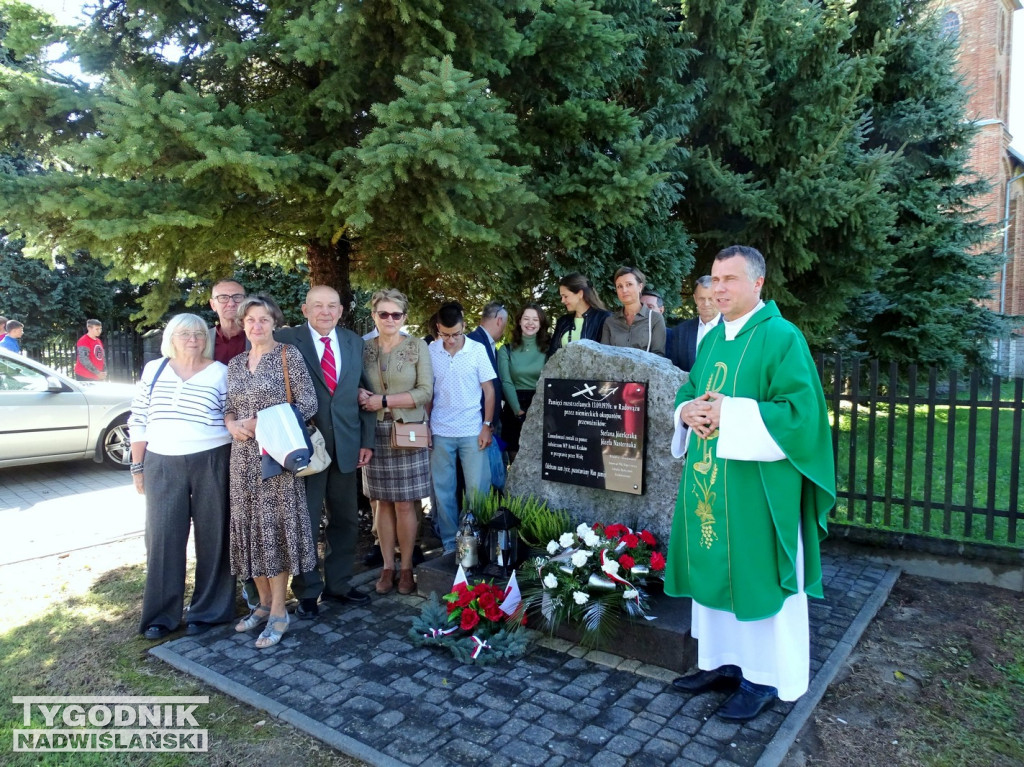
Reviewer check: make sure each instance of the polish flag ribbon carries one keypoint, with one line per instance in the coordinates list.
(435, 633)
(481, 645)
(616, 578)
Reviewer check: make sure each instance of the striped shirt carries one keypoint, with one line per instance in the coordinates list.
(181, 417)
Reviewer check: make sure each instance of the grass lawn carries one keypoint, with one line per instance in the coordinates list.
(955, 455)
(70, 627)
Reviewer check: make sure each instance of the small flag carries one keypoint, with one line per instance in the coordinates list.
(512, 596)
(460, 577)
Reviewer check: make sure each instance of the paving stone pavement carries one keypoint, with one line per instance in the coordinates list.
(353, 679)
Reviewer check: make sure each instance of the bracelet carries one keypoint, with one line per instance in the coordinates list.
(136, 468)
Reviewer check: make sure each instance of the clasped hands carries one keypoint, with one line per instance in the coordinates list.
(703, 414)
(369, 401)
(242, 429)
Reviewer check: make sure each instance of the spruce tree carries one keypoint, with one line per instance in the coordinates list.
(780, 158)
(925, 307)
(451, 148)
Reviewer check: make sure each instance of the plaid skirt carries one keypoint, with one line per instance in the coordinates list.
(401, 474)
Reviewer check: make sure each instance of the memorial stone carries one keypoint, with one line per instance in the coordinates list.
(591, 361)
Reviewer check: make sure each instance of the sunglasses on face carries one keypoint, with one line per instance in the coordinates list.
(396, 316)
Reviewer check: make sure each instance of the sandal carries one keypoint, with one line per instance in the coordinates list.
(252, 620)
(275, 628)
(386, 582)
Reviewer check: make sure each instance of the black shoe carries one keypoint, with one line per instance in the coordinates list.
(156, 632)
(417, 556)
(373, 557)
(197, 628)
(351, 597)
(307, 608)
(706, 681)
(744, 705)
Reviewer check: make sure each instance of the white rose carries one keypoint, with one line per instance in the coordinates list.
(591, 538)
(630, 594)
(611, 567)
(581, 597)
(566, 540)
(552, 547)
(583, 529)
(579, 559)
(550, 581)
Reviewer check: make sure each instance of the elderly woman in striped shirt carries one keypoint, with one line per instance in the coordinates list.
(180, 454)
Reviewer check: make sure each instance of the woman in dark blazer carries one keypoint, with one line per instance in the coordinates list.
(586, 312)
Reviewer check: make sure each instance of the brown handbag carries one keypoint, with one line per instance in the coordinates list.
(410, 435)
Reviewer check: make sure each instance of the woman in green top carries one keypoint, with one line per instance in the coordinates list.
(519, 366)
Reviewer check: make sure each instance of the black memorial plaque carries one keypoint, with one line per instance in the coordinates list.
(594, 433)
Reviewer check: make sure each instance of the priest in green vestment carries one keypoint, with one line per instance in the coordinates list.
(757, 487)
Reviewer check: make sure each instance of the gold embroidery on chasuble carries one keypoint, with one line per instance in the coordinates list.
(705, 471)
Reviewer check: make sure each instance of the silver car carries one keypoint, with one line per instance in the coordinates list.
(47, 417)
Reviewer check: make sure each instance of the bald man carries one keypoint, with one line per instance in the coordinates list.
(334, 357)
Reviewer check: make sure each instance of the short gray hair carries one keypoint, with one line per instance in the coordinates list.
(493, 309)
(185, 322)
(703, 282)
(752, 256)
(265, 302)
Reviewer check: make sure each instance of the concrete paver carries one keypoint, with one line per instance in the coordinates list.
(353, 679)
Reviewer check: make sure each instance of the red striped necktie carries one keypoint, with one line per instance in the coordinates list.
(327, 363)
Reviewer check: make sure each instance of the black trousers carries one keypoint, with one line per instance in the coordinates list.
(183, 492)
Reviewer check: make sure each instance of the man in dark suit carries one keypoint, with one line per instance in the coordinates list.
(681, 345)
(490, 330)
(334, 357)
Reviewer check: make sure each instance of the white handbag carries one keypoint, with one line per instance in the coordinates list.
(319, 459)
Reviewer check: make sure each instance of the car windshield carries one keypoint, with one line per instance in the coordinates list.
(16, 376)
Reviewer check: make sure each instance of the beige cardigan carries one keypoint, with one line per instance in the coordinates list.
(409, 370)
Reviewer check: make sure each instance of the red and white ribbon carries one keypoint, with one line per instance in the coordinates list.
(435, 633)
(616, 578)
(481, 645)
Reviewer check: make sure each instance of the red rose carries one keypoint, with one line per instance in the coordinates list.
(469, 620)
(631, 541)
(646, 537)
(657, 561)
(487, 599)
(464, 599)
(627, 561)
(493, 614)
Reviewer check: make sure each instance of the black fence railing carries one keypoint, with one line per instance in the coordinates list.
(123, 350)
(926, 454)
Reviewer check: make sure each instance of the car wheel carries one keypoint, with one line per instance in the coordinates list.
(117, 449)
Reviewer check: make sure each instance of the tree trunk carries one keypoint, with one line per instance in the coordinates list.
(330, 264)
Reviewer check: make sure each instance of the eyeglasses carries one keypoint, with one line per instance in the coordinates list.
(449, 336)
(234, 298)
(396, 316)
(185, 335)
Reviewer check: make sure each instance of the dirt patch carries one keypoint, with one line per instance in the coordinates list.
(938, 678)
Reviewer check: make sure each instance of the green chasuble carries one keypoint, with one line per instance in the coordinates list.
(734, 534)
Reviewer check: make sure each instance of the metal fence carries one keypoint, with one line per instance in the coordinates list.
(924, 453)
(123, 351)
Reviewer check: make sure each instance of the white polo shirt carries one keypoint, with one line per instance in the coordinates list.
(457, 380)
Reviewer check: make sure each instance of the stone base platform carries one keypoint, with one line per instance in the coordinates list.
(664, 641)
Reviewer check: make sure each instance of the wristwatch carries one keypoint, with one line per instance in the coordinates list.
(384, 401)
(487, 424)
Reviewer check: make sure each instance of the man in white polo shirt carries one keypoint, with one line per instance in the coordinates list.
(461, 370)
